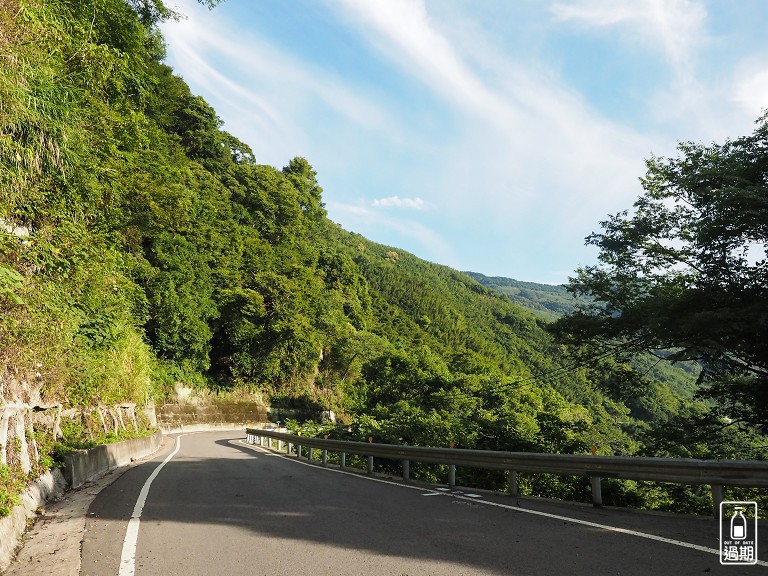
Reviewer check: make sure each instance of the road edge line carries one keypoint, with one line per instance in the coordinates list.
(128, 554)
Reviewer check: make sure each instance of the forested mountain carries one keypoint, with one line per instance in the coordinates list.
(141, 245)
(545, 300)
(551, 302)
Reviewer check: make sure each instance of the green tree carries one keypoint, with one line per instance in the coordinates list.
(686, 271)
(179, 293)
(304, 179)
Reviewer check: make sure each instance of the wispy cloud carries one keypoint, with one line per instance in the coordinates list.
(397, 202)
(523, 132)
(677, 26)
(379, 225)
(424, 51)
(271, 93)
(675, 31)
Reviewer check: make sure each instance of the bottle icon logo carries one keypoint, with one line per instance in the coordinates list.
(738, 532)
(738, 524)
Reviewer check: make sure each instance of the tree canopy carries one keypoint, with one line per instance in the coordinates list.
(686, 272)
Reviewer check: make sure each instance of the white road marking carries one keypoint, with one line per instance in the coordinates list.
(443, 491)
(128, 556)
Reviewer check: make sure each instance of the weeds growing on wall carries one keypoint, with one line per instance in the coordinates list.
(12, 482)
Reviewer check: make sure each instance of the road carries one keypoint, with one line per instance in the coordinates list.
(220, 506)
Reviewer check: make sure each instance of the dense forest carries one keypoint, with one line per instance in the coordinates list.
(142, 245)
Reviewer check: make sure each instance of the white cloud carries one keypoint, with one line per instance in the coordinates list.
(397, 202)
(675, 31)
(751, 91)
(527, 142)
(270, 93)
(420, 48)
(414, 236)
(677, 26)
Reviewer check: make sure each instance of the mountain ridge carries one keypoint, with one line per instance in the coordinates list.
(549, 301)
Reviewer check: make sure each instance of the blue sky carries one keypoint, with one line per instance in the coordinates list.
(486, 135)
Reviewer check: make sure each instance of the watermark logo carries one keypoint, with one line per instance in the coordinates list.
(738, 533)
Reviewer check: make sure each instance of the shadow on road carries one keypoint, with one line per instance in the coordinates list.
(274, 502)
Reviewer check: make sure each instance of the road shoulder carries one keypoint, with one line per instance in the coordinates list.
(52, 545)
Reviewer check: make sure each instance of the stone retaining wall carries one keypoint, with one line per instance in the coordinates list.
(180, 416)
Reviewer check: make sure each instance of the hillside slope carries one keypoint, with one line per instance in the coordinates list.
(547, 301)
(551, 302)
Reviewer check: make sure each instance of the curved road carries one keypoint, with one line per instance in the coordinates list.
(220, 506)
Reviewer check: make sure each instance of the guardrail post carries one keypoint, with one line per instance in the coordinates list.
(513, 488)
(261, 441)
(325, 457)
(717, 498)
(370, 464)
(343, 459)
(309, 453)
(269, 442)
(298, 450)
(290, 448)
(597, 491)
(280, 445)
(452, 476)
(406, 470)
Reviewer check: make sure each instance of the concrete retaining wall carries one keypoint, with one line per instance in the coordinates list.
(81, 466)
(49, 486)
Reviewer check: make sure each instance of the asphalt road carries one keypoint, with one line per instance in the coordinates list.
(219, 506)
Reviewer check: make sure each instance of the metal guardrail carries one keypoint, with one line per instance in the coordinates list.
(716, 473)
